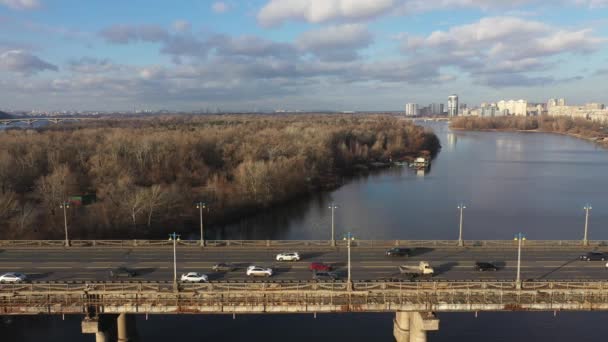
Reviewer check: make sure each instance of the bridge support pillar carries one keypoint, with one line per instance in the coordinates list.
(412, 326)
(92, 326)
(121, 322)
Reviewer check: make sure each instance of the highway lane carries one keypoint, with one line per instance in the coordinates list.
(367, 264)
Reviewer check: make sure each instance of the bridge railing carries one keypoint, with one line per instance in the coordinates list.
(298, 286)
(290, 244)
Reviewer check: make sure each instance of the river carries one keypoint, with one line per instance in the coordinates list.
(532, 183)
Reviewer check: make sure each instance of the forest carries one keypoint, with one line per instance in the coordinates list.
(579, 127)
(140, 177)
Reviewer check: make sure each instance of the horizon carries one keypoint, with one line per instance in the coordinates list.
(297, 55)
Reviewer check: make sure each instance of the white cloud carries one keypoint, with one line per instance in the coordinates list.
(592, 3)
(501, 50)
(21, 4)
(220, 7)
(335, 42)
(24, 62)
(275, 12)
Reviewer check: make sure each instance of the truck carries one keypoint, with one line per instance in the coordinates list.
(423, 268)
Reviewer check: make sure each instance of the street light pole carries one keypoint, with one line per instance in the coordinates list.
(519, 237)
(460, 242)
(65, 205)
(349, 237)
(333, 206)
(586, 208)
(201, 206)
(174, 237)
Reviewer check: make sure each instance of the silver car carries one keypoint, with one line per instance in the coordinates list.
(12, 277)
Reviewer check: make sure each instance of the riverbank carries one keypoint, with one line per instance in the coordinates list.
(144, 174)
(579, 128)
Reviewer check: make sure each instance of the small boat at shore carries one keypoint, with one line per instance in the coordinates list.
(421, 163)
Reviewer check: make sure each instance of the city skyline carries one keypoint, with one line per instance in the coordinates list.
(297, 54)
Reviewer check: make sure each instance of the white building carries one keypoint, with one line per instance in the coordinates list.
(513, 107)
(453, 105)
(411, 109)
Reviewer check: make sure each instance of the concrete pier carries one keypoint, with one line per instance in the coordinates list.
(121, 322)
(412, 326)
(92, 326)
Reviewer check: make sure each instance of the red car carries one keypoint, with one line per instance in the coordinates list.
(319, 266)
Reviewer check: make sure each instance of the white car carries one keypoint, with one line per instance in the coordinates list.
(194, 277)
(288, 256)
(259, 271)
(12, 278)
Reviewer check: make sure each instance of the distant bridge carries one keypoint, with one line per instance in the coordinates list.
(52, 119)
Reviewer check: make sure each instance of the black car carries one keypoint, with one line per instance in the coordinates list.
(485, 266)
(593, 256)
(122, 272)
(398, 251)
(324, 275)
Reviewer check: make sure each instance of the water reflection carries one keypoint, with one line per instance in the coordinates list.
(511, 182)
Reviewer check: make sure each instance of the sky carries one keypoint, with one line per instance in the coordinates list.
(298, 54)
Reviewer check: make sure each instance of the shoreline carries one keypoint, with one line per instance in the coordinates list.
(603, 142)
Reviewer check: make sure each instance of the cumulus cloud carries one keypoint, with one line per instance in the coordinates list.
(276, 12)
(220, 7)
(125, 34)
(24, 62)
(592, 3)
(339, 42)
(92, 65)
(498, 50)
(21, 4)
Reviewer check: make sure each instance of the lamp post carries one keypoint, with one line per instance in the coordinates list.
(201, 206)
(519, 238)
(348, 237)
(333, 206)
(461, 207)
(65, 205)
(174, 237)
(586, 208)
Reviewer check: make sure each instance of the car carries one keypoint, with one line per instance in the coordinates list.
(194, 277)
(593, 256)
(485, 266)
(324, 276)
(259, 271)
(122, 272)
(319, 266)
(12, 277)
(288, 256)
(223, 267)
(398, 251)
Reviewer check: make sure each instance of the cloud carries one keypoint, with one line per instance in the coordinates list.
(21, 4)
(592, 3)
(24, 62)
(92, 65)
(339, 42)
(220, 7)
(276, 12)
(125, 34)
(500, 51)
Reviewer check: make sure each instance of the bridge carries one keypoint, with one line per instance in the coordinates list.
(52, 119)
(74, 280)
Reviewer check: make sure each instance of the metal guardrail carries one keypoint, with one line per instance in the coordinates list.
(286, 286)
(305, 243)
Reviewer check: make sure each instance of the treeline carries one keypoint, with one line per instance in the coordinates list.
(580, 127)
(147, 173)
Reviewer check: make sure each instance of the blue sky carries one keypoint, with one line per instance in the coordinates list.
(298, 54)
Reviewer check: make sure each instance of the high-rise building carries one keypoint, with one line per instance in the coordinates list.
(513, 107)
(453, 105)
(411, 109)
(436, 108)
(561, 102)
